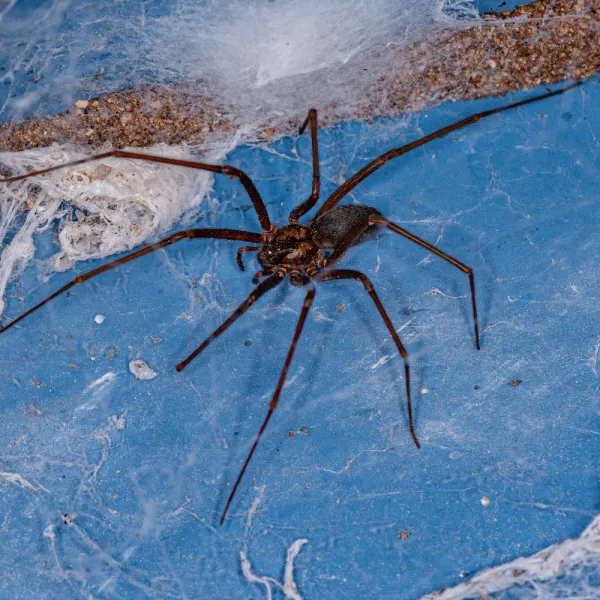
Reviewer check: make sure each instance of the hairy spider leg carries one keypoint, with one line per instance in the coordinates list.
(238, 256)
(262, 273)
(303, 208)
(257, 201)
(265, 286)
(222, 234)
(308, 300)
(382, 221)
(367, 170)
(350, 274)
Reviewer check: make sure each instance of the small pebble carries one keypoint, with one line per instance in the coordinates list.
(267, 132)
(99, 319)
(141, 370)
(485, 501)
(83, 104)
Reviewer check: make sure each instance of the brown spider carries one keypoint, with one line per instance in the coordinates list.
(305, 253)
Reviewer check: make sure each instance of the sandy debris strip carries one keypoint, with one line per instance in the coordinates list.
(543, 42)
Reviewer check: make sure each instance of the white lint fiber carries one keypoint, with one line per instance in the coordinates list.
(566, 570)
(288, 587)
(267, 60)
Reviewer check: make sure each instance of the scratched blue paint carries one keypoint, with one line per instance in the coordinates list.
(514, 197)
(143, 468)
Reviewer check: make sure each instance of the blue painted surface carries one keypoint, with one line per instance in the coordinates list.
(144, 467)
(484, 6)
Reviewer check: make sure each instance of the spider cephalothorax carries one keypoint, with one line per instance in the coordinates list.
(291, 249)
(299, 249)
(304, 253)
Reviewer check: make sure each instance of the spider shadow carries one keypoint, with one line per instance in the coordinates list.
(484, 300)
(220, 360)
(367, 321)
(489, 296)
(265, 380)
(397, 432)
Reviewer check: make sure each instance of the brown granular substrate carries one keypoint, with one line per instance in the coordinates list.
(133, 118)
(543, 42)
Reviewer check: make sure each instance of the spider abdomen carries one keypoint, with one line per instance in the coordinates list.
(330, 230)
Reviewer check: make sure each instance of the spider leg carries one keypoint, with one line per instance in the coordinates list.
(382, 221)
(286, 365)
(243, 249)
(223, 234)
(259, 205)
(263, 273)
(349, 274)
(265, 286)
(303, 208)
(359, 176)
